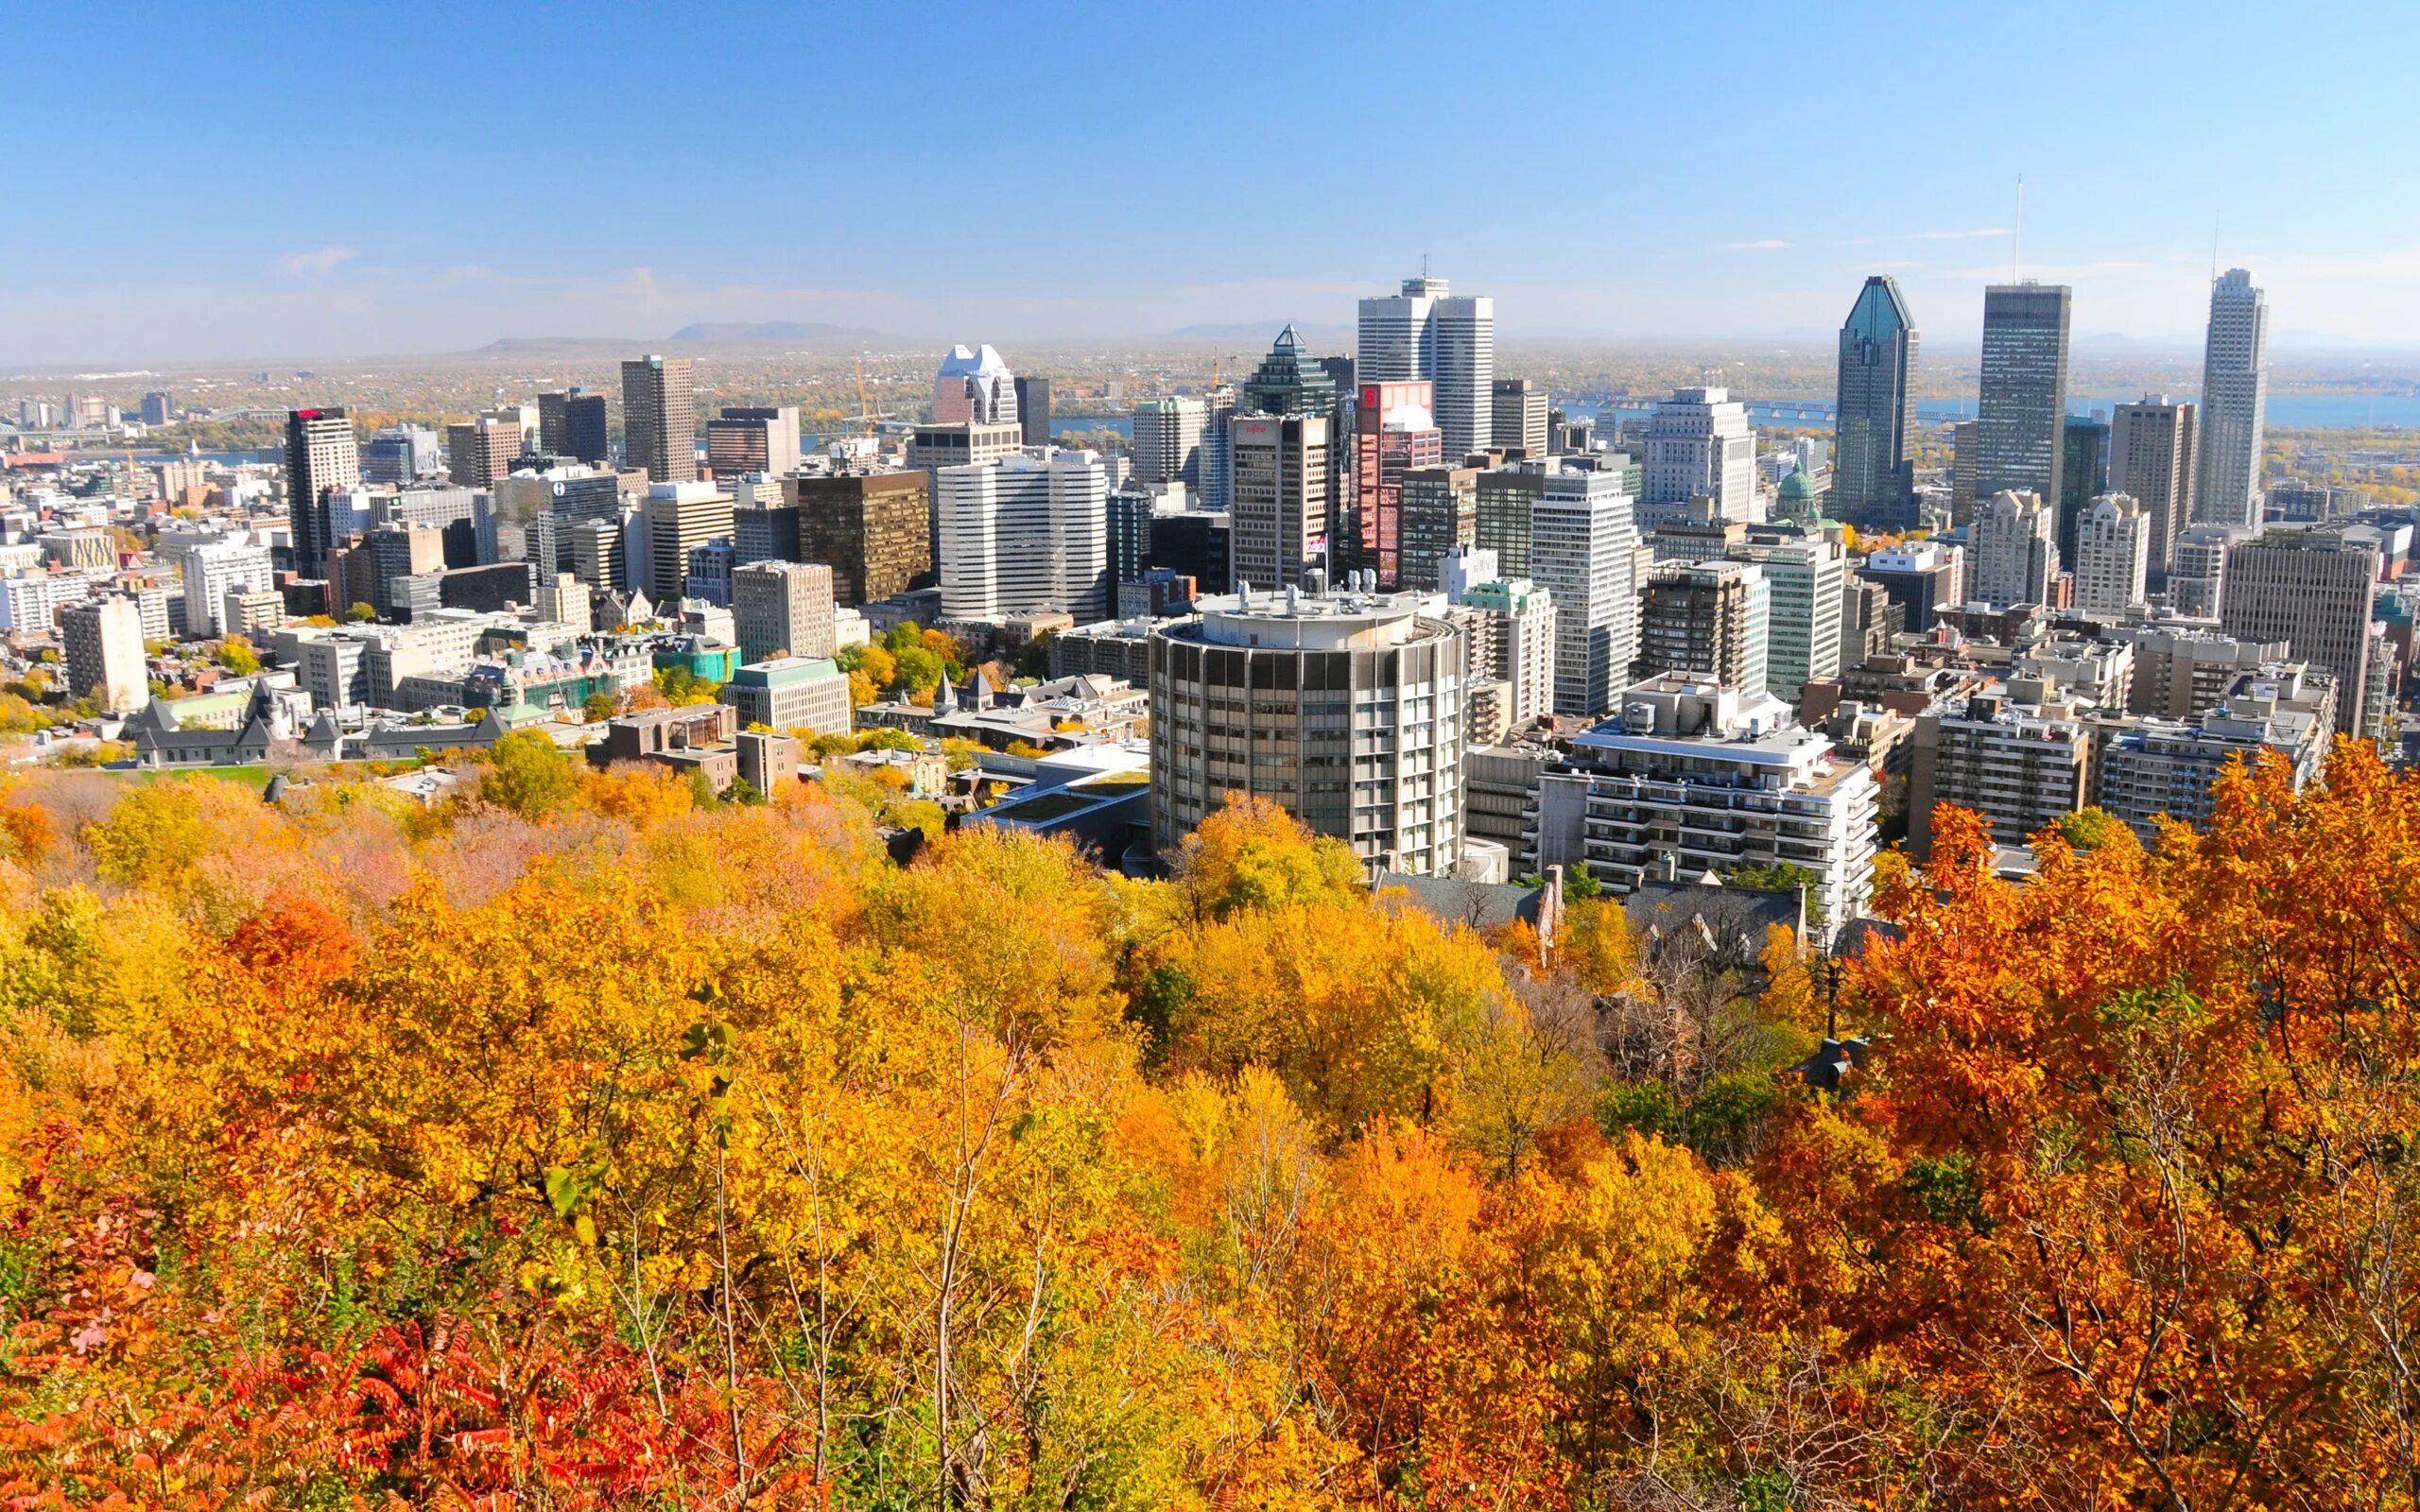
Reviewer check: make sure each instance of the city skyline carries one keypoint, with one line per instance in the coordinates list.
(239, 253)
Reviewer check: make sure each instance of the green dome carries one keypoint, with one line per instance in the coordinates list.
(1798, 486)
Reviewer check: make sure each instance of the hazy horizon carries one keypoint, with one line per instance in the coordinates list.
(1096, 174)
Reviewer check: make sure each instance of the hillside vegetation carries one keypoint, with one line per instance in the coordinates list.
(573, 1145)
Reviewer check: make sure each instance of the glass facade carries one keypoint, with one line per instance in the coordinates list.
(2021, 419)
(1874, 469)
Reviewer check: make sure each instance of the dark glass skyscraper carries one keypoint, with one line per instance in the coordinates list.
(2084, 477)
(1874, 463)
(2021, 421)
(1033, 409)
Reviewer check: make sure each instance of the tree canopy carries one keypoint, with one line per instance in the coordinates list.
(576, 1143)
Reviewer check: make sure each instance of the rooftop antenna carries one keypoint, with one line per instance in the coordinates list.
(2214, 247)
(2016, 265)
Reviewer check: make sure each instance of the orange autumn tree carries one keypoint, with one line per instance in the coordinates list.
(2132, 1173)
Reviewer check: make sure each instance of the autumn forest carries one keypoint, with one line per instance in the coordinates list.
(576, 1143)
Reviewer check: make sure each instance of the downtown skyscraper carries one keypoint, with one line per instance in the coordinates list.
(2234, 402)
(1279, 447)
(660, 419)
(2021, 421)
(1874, 459)
(321, 453)
(1426, 333)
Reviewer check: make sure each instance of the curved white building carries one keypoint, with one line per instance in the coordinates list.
(1343, 708)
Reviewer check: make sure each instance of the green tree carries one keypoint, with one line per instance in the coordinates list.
(596, 706)
(919, 669)
(528, 774)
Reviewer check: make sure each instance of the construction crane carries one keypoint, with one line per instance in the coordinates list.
(865, 408)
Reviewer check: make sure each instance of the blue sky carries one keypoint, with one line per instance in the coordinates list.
(262, 179)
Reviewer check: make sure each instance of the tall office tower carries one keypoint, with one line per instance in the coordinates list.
(753, 439)
(1707, 619)
(2197, 570)
(1130, 508)
(1426, 333)
(1281, 464)
(2024, 407)
(781, 609)
(1510, 627)
(572, 423)
(1699, 445)
(480, 455)
(1033, 409)
(872, 529)
(2234, 402)
(1167, 440)
(681, 517)
(1503, 500)
(1392, 434)
(1438, 515)
(2016, 551)
(320, 455)
(2113, 557)
(1026, 534)
(2314, 588)
(1520, 416)
(2152, 458)
(975, 387)
(158, 405)
(211, 570)
(1806, 577)
(1281, 491)
(963, 443)
(1874, 453)
(1582, 543)
(1345, 711)
(103, 643)
(1217, 466)
(660, 419)
(1965, 443)
(2084, 477)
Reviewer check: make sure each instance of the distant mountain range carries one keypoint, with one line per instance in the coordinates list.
(727, 332)
(1261, 333)
(704, 335)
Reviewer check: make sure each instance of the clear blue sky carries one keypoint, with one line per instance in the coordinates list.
(214, 179)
